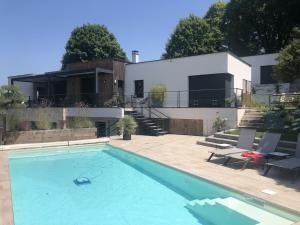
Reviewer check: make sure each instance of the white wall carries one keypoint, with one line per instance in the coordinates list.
(95, 112)
(239, 70)
(60, 114)
(257, 61)
(174, 73)
(208, 115)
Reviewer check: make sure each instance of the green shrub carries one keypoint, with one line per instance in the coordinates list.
(43, 122)
(116, 101)
(79, 122)
(158, 95)
(13, 122)
(260, 106)
(219, 124)
(127, 125)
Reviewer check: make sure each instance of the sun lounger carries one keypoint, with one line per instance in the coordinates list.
(289, 164)
(267, 145)
(245, 143)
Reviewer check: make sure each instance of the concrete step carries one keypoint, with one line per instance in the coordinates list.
(251, 124)
(212, 144)
(163, 132)
(250, 120)
(231, 210)
(221, 138)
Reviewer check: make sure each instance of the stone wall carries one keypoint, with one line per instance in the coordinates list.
(23, 137)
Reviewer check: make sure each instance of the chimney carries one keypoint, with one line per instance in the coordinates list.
(135, 56)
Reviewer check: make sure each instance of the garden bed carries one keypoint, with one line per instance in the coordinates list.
(36, 136)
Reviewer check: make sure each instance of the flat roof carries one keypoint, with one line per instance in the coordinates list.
(226, 52)
(57, 75)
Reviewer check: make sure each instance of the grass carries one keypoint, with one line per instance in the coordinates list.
(286, 135)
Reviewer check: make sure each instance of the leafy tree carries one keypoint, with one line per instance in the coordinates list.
(288, 67)
(259, 26)
(10, 97)
(214, 17)
(92, 41)
(192, 36)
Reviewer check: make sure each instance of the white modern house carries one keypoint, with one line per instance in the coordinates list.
(198, 88)
(211, 77)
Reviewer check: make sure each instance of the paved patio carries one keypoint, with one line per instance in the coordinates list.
(183, 153)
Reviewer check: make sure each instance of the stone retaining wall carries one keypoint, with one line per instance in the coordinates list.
(23, 137)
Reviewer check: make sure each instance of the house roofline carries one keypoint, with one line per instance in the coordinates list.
(260, 55)
(214, 53)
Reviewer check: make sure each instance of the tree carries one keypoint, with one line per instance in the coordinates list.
(259, 26)
(92, 41)
(214, 17)
(10, 97)
(288, 67)
(192, 36)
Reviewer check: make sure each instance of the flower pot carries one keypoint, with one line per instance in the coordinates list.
(126, 136)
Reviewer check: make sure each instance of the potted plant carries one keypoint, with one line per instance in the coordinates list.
(219, 124)
(158, 95)
(127, 126)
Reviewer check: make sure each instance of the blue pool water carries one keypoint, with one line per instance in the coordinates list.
(124, 189)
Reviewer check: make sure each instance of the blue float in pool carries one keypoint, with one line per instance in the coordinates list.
(82, 181)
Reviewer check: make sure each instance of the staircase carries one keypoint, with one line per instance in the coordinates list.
(252, 119)
(148, 125)
(230, 210)
(220, 138)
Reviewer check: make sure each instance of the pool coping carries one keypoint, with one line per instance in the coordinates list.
(6, 207)
(53, 144)
(241, 192)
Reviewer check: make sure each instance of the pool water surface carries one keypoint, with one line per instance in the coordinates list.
(123, 189)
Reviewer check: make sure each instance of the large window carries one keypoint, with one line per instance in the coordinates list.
(266, 75)
(139, 88)
(209, 90)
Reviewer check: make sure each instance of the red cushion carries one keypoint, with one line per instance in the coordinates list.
(253, 155)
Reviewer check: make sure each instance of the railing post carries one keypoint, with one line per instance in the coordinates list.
(178, 99)
(235, 91)
(108, 129)
(149, 100)
(269, 100)
(29, 101)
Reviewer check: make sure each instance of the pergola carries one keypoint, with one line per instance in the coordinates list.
(62, 75)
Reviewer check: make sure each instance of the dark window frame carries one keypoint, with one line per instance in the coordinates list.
(139, 88)
(266, 72)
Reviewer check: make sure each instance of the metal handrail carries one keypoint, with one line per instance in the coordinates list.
(109, 127)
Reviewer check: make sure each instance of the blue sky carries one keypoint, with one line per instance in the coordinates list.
(34, 32)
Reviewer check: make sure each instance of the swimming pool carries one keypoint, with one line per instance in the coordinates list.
(124, 189)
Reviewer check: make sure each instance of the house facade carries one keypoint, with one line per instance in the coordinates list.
(91, 83)
(210, 80)
(263, 83)
(198, 89)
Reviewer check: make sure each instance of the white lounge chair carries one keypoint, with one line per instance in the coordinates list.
(288, 164)
(267, 145)
(245, 143)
